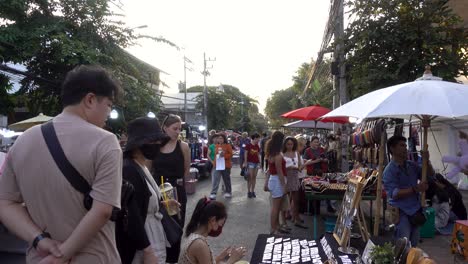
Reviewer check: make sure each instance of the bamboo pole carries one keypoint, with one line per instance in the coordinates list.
(425, 123)
(378, 197)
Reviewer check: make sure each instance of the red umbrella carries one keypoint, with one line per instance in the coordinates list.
(314, 112)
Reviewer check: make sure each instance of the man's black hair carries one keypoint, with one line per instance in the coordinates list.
(393, 141)
(254, 136)
(86, 79)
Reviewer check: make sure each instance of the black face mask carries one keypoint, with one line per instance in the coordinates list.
(149, 151)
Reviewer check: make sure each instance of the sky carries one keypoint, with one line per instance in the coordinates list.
(258, 44)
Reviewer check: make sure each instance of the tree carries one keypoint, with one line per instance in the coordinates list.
(231, 109)
(279, 103)
(52, 37)
(321, 90)
(390, 42)
(283, 101)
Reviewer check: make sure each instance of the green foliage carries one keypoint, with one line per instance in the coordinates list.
(226, 111)
(391, 41)
(51, 37)
(279, 103)
(283, 101)
(6, 100)
(382, 254)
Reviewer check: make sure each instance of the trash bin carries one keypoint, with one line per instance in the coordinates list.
(190, 186)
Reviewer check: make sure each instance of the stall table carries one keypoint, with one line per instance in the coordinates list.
(312, 196)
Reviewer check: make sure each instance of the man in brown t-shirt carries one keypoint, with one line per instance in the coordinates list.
(51, 205)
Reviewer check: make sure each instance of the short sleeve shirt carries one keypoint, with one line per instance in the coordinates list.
(252, 153)
(30, 175)
(395, 178)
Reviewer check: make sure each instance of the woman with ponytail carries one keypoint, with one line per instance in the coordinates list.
(208, 219)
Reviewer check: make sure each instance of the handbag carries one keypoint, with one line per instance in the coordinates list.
(77, 181)
(418, 218)
(172, 229)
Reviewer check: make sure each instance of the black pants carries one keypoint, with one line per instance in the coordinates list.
(263, 163)
(174, 251)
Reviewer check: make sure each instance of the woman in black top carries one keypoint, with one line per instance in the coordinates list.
(140, 237)
(173, 163)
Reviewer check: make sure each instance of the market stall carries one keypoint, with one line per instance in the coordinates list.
(425, 99)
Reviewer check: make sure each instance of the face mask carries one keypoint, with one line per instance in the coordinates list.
(217, 232)
(149, 151)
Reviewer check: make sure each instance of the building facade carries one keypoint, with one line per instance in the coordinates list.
(175, 104)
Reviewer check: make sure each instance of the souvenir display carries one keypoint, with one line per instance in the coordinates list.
(349, 209)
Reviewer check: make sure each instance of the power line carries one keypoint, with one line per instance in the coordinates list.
(327, 35)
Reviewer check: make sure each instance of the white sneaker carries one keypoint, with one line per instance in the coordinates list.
(227, 195)
(212, 196)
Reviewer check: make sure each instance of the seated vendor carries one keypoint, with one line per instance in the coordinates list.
(447, 202)
(401, 182)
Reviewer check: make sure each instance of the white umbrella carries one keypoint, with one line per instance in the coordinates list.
(426, 98)
(421, 97)
(309, 124)
(25, 124)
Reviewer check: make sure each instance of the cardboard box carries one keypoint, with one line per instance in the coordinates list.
(460, 238)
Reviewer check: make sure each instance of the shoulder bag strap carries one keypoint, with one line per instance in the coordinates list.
(67, 169)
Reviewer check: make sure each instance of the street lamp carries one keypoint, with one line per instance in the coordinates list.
(242, 115)
(114, 114)
(151, 115)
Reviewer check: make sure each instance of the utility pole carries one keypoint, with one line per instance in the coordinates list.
(205, 73)
(341, 55)
(338, 64)
(185, 86)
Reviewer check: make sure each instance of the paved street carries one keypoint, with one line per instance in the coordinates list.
(249, 217)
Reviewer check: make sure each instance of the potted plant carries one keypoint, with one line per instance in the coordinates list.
(383, 254)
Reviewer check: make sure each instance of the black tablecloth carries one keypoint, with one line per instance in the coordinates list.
(260, 244)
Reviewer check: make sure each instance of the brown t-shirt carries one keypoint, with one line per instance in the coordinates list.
(31, 176)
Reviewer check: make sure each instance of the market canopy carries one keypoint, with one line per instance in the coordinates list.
(313, 112)
(25, 124)
(309, 124)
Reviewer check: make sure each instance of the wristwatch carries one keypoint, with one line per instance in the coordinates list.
(39, 238)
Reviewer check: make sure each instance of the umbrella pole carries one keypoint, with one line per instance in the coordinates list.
(315, 128)
(378, 197)
(425, 123)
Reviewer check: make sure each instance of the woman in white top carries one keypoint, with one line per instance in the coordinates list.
(293, 163)
(208, 219)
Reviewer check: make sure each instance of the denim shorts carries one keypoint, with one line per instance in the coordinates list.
(274, 185)
(252, 165)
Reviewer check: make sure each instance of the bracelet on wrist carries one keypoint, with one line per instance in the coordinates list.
(40, 237)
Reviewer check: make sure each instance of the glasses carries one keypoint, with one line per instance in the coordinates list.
(170, 116)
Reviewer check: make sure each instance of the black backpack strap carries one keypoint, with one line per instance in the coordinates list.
(67, 169)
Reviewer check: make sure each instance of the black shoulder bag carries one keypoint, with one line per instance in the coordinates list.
(75, 178)
(172, 229)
